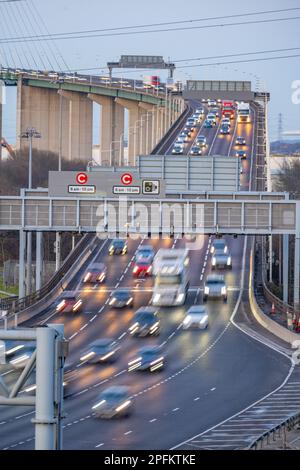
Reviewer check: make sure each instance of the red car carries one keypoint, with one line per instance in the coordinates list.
(142, 269)
(69, 303)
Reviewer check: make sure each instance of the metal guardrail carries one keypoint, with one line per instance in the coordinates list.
(288, 424)
(15, 305)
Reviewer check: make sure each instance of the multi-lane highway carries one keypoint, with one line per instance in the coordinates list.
(208, 376)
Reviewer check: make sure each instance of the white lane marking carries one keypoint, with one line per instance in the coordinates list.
(73, 336)
(176, 409)
(83, 327)
(213, 389)
(152, 420)
(93, 318)
(197, 398)
(127, 433)
(99, 445)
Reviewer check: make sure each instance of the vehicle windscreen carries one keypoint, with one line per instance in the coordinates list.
(145, 317)
(121, 295)
(168, 279)
(214, 282)
(118, 243)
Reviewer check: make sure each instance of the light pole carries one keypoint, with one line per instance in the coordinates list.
(112, 160)
(30, 134)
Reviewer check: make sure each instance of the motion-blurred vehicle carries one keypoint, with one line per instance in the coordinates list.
(184, 136)
(96, 274)
(121, 298)
(241, 154)
(215, 110)
(177, 149)
(145, 322)
(215, 288)
(145, 253)
(240, 141)
(118, 247)
(209, 124)
(148, 358)
(196, 317)
(104, 350)
(19, 357)
(195, 150)
(113, 402)
(226, 120)
(179, 141)
(142, 268)
(221, 260)
(211, 102)
(69, 302)
(212, 117)
(219, 244)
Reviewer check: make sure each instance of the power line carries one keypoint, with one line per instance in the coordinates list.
(190, 28)
(259, 59)
(150, 25)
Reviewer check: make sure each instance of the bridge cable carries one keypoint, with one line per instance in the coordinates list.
(8, 28)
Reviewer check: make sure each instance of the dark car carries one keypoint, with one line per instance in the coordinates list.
(96, 274)
(145, 322)
(69, 302)
(240, 141)
(225, 129)
(121, 298)
(195, 150)
(149, 358)
(241, 154)
(118, 247)
(104, 350)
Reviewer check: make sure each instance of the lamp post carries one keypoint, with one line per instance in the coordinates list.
(30, 134)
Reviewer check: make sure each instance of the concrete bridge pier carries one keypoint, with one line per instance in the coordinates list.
(111, 130)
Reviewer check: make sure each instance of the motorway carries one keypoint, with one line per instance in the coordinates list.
(209, 375)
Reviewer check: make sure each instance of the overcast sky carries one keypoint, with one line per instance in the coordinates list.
(59, 16)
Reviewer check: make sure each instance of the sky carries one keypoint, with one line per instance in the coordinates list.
(31, 17)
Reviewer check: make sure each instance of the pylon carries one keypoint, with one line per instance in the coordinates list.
(273, 308)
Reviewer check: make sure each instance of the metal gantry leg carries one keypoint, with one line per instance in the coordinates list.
(22, 247)
(29, 263)
(45, 369)
(296, 270)
(285, 267)
(39, 260)
(270, 258)
(57, 251)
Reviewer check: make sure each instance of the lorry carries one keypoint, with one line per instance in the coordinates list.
(228, 109)
(171, 278)
(243, 112)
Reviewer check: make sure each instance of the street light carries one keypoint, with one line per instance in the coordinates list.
(30, 133)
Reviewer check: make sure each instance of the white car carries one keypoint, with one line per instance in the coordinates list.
(226, 121)
(196, 317)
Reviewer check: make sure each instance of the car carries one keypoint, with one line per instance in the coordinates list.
(225, 129)
(219, 244)
(177, 150)
(204, 100)
(221, 260)
(180, 141)
(208, 123)
(201, 141)
(240, 141)
(121, 298)
(142, 268)
(69, 302)
(215, 288)
(118, 247)
(95, 274)
(184, 136)
(195, 150)
(196, 317)
(145, 322)
(211, 102)
(200, 111)
(241, 154)
(149, 358)
(188, 130)
(216, 111)
(226, 120)
(113, 402)
(104, 350)
(145, 253)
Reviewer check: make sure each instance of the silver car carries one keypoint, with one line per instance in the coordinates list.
(220, 245)
(221, 260)
(215, 288)
(104, 350)
(113, 402)
(196, 317)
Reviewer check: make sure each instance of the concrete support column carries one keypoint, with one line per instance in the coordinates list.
(39, 260)
(147, 127)
(80, 130)
(285, 267)
(134, 126)
(22, 249)
(270, 258)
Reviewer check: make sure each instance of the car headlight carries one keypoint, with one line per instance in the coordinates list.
(156, 298)
(224, 290)
(214, 261)
(229, 261)
(225, 249)
(87, 277)
(180, 298)
(203, 320)
(187, 320)
(206, 290)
